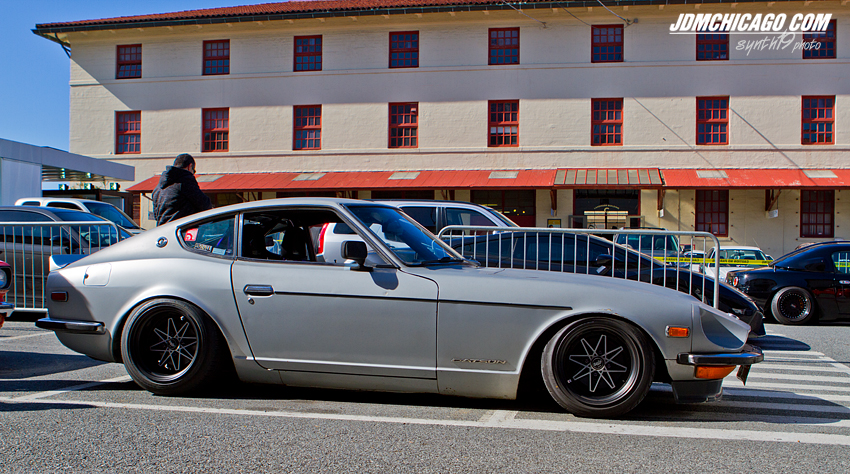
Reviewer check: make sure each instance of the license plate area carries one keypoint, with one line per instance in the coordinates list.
(743, 372)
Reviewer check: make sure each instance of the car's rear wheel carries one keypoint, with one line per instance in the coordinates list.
(170, 347)
(793, 305)
(598, 367)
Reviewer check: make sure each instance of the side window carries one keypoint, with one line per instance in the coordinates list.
(23, 233)
(456, 216)
(425, 216)
(214, 237)
(841, 260)
(31, 203)
(291, 235)
(63, 205)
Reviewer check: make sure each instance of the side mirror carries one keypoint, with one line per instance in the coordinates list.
(604, 260)
(355, 250)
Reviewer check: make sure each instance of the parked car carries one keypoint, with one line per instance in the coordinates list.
(432, 215)
(662, 247)
(28, 247)
(6, 308)
(178, 312)
(735, 257)
(806, 285)
(98, 208)
(590, 255)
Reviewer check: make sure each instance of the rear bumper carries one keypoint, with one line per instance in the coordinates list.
(749, 355)
(71, 326)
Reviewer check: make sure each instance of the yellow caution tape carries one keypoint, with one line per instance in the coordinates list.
(710, 261)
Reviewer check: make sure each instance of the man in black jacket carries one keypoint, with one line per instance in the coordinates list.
(177, 194)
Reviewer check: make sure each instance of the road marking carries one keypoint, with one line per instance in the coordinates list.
(747, 392)
(817, 408)
(795, 387)
(513, 423)
(800, 378)
(826, 367)
(36, 396)
(24, 337)
(778, 352)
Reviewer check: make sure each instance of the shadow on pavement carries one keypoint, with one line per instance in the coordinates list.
(20, 365)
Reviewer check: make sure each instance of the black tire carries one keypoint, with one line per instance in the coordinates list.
(170, 347)
(793, 305)
(598, 367)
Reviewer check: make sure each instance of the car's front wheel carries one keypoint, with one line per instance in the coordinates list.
(598, 367)
(170, 347)
(793, 305)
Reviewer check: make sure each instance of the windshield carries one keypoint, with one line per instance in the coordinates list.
(402, 236)
(112, 213)
(742, 258)
(654, 243)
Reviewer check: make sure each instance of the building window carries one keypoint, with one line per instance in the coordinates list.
(216, 57)
(504, 46)
(816, 213)
(712, 212)
(518, 205)
(712, 47)
(129, 61)
(504, 122)
(403, 125)
(308, 127)
(607, 43)
(818, 120)
(606, 122)
(216, 129)
(825, 42)
(308, 53)
(128, 132)
(712, 120)
(404, 49)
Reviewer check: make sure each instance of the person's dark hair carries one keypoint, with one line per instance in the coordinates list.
(184, 160)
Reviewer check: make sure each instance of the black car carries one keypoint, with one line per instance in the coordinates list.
(587, 254)
(806, 285)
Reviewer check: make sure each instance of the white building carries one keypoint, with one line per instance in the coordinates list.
(557, 116)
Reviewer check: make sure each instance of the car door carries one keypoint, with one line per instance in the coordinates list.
(309, 316)
(841, 261)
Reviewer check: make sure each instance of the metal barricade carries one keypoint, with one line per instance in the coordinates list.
(28, 246)
(579, 251)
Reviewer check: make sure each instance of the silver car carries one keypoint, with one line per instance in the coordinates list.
(240, 287)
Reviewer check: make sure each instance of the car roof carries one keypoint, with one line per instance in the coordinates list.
(47, 211)
(55, 199)
(403, 202)
(738, 247)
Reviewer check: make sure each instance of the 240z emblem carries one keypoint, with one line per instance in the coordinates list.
(481, 361)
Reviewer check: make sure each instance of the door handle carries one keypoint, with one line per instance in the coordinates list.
(258, 290)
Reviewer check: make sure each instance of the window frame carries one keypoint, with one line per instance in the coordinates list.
(119, 63)
(723, 121)
(307, 54)
(816, 121)
(497, 47)
(412, 50)
(823, 39)
(723, 40)
(216, 130)
(296, 128)
(502, 123)
(208, 71)
(594, 44)
(414, 126)
(820, 197)
(720, 196)
(136, 132)
(606, 122)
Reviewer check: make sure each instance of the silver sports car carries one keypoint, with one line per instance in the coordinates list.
(240, 287)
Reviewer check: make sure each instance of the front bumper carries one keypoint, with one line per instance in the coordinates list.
(71, 326)
(698, 391)
(749, 355)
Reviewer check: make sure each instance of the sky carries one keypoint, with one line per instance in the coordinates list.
(34, 72)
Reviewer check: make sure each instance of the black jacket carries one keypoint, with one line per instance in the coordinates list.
(177, 195)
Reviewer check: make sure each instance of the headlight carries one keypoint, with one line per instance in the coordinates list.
(4, 279)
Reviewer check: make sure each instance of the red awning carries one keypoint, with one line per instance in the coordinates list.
(604, 177)
(345, 180)
(757, 178)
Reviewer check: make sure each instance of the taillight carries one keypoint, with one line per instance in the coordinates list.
(322, 238)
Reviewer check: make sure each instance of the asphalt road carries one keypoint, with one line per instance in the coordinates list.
(63, 412)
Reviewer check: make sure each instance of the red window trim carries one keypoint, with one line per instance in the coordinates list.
(216, 58)
(713, 121)
(205, 130)
(403, 50)
(723, 40)
(497, 47)
(502, 123)
(831, 224)
(137, 131)
(297, 55)
(404, 126)
(296, 128)
(606, 122)
(621, 44)
(709, 225)
(119, 62)
(804, 121)
(822, 38)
